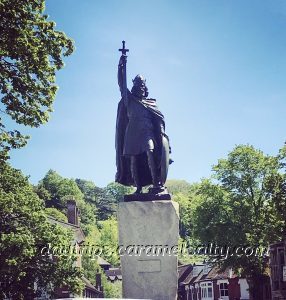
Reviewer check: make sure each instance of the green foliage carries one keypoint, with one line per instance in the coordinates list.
(58, 215)
(88, 219)
(214, 214)
(106, 239)
(236, 209)
(112, 289)
(97, 207)
(117, 191)
(58, 190)
(55, 190)
(42, 192)
(187, 201)
(31, 52)
(109, 240)
(178, 186)
(90, 268)
(25, 232)
(185, 214)
(104, 200)
(89, 190)
(276, 184)
(106, 204)
(244, 175)
(188, 258)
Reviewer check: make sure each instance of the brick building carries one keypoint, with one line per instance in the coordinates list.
(203, 282)
(278, 270)
(90, 291)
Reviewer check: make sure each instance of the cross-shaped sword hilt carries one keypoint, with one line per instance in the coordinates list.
(123, 50)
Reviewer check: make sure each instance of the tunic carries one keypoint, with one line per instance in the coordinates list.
(139, 130)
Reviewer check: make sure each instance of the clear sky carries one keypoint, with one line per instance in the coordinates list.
(216, 68)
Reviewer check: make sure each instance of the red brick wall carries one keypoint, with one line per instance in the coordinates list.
(216, 289)
(233, 289)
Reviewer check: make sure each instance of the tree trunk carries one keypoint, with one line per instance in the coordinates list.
(256, 286)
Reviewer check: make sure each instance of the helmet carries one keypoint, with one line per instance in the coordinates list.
(139, 80)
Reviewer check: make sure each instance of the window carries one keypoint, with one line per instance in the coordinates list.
(223, 289)
(198, 292)
(192, 293)
(206, 290)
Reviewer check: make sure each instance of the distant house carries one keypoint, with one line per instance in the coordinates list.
(203, 282)
(184, 271)
(90, 291)
(114, 274)
(105, 265)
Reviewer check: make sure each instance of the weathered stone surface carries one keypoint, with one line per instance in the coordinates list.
(148, 239)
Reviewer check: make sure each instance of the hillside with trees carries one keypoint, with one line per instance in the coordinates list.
(241, 205)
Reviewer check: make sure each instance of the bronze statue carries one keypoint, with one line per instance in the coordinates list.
(142, 147)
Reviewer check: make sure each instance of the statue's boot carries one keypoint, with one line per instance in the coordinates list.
(134, 171)
(138, 190)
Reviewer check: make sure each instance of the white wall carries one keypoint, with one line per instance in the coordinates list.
(243, 289)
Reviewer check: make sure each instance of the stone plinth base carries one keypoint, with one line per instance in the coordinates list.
(148, 239)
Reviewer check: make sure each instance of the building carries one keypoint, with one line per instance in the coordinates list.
(278, 270)
(204, 282)
(105, 265)
(90, 291)
(114, 274)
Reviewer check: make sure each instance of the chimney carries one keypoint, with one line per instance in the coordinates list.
(98, 285)
(72, 213)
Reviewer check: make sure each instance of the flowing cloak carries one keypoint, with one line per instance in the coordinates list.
(123, 162)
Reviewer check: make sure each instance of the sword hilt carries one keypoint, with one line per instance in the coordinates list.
(123, 50)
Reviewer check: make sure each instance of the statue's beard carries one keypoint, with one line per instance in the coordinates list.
(139, 91)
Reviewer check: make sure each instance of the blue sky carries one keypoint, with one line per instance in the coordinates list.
(216, 68)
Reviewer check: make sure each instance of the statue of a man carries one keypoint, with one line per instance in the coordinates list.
(142, 147)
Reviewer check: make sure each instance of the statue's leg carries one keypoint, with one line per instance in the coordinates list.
(134, 172)
(153, 168)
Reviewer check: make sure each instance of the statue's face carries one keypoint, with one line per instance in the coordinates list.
(139, 88)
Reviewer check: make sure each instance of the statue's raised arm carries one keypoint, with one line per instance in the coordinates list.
(122, 78)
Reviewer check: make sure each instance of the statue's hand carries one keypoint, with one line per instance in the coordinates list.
(122, 60)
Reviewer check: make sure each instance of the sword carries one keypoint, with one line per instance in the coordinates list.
(123, 50)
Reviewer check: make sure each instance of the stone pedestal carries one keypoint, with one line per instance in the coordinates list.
(148, 239)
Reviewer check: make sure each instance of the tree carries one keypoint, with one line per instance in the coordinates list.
(277, 185)
(104, 199)
(185, 214)
(117, 191)
(109, 240)
(88, 188)
(31, 52)
(56, 190)
(175, 186)
(236, 210)
(25, 233)
(58, 215)
(186, 197)
(87, 218)
(112, 289)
